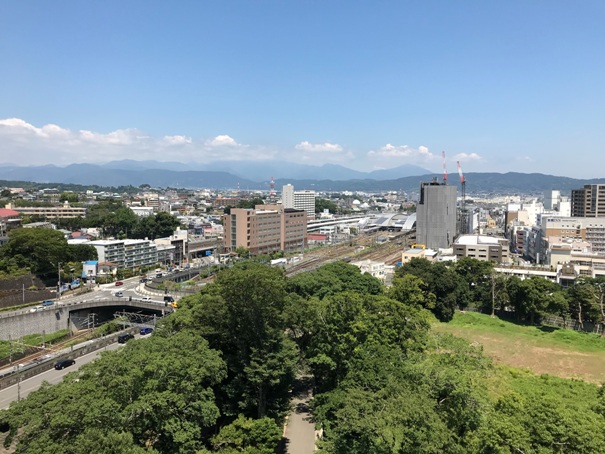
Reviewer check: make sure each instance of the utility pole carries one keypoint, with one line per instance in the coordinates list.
(59, 281)
(18, 383)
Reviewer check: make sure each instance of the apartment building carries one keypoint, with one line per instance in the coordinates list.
(588, 202)
(589, 229)
(64, 211)
(221, 202)
(139, 253)
(126, 253)
(265, 229)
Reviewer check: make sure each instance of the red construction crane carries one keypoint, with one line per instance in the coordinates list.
(444, 169)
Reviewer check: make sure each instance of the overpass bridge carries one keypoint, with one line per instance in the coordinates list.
(200, 248)
(74, 316)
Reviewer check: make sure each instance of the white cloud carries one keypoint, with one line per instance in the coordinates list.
(325, 147)
(222, 141)
(177, 140)
(27, 144)
(467, 157)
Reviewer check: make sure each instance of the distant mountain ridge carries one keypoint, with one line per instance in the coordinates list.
(180, 175)
(260, 171)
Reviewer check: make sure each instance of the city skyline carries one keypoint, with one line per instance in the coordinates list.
(499, 87)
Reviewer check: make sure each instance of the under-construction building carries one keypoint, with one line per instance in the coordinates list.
(436, 215)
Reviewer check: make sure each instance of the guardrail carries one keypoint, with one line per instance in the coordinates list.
(12, 377)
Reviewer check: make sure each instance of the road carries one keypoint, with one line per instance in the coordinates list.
(10, 394)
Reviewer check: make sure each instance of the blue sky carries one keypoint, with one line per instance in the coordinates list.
(500, 86)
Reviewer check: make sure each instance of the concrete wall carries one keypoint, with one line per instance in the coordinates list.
(16, 324)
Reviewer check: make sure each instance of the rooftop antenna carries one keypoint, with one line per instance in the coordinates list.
(444, 168)
(272, 186)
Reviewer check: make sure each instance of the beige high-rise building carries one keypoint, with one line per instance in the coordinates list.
(265, 229)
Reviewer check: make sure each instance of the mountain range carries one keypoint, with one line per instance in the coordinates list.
(254, 175)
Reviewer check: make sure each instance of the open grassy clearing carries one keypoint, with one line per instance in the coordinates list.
(543, 350)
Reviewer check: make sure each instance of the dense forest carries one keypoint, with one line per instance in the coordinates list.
(216, 376)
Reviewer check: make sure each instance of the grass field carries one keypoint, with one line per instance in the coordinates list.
(543, 350)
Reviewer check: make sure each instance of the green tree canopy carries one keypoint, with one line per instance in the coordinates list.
(450, 289)
(333, 278)
(38, 249)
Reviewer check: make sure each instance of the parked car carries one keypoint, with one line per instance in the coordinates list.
(118, 283)
(64, 363)
(119, 294)
(146, 331)
(47, 303)
(123, 338)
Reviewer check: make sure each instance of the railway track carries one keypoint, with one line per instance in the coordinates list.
(361, 248)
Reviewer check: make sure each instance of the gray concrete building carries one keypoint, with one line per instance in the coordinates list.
(436, 215)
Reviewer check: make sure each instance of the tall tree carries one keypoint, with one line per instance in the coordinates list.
(241, 315)
(41, 249)
(450, 289)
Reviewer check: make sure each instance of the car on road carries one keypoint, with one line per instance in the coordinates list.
(168, 299)
(123, 338)
(118, 283)
(119, 294)
(146, 298)
(146, 330)
(47, 303)
(37, 308)
(64, 363)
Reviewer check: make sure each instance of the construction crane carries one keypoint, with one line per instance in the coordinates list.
(444, 169)
(462, 184)
(463, 204)
(272, 187)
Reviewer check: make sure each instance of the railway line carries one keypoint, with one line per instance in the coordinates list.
(370, 247)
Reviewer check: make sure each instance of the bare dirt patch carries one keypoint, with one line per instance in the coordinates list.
(530, 354)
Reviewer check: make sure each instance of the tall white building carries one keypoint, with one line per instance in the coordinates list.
(298, 200)
(305, 200)
(287, 196)
(551, 199)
